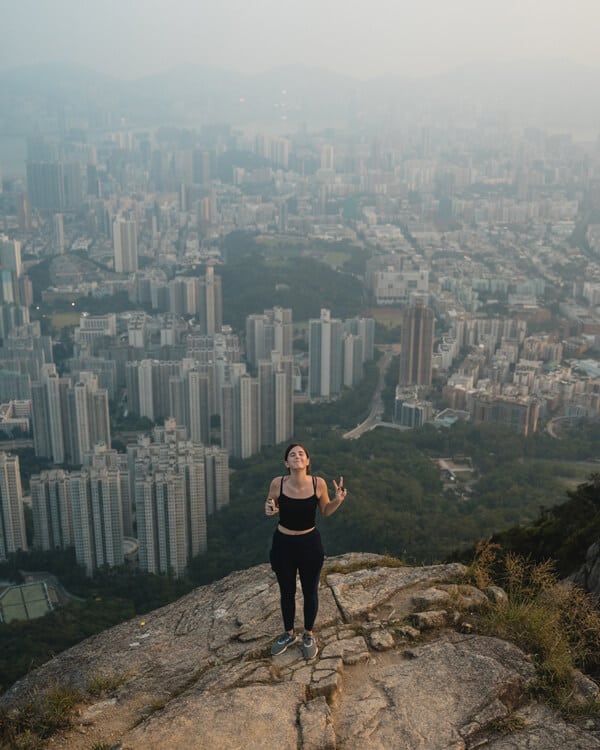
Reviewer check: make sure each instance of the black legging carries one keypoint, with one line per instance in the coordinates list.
(302, 553)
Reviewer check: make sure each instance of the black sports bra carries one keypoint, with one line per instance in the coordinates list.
(298, 513)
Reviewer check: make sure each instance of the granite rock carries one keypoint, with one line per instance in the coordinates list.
(198, 673)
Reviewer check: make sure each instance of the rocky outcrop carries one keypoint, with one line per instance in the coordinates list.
(398, 668)
(588, 575)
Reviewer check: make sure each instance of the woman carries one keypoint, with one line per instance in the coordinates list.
(297, 543)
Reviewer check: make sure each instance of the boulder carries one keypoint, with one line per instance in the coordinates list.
(198, 673)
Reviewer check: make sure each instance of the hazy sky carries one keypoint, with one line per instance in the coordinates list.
(129, 38)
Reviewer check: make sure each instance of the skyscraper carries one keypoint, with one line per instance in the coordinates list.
(416, 354)
(177, 484)
(89, 421)
(247, 436)
(51, 505)
(12, 521)
(68, 420)
(125, 246)
(197, 416)
(217, 478)
(73, 182)
(276, 389)
(271, 331)
(58, 239)
(327, 156)
(10, 255)
(353, 359)
(97, 518)
(48, 414)
(24, 211)
(325, 355)
(46, 185)
(210, 303)
(365, 329)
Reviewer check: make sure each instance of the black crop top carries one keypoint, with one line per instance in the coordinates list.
(298, 513)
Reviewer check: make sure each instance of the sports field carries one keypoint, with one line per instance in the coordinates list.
(64, 319)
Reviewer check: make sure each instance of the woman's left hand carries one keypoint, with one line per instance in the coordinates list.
(340, 490)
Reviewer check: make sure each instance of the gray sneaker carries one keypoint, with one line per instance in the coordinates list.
(282, 643)
(309, 646)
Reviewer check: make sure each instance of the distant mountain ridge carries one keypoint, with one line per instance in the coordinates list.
(551, 94)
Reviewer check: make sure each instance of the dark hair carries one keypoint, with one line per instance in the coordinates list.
(296, 445)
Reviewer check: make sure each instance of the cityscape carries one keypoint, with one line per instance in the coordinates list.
(468, 237)
(300, 327)
(198, 268)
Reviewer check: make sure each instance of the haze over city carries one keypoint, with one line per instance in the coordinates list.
(369, 228)
(360, 39)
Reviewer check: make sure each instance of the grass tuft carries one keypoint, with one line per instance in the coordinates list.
(102, 684)
(39, 718)
(509, 724)
(556, 623)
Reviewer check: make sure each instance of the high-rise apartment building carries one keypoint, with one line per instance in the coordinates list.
(271, 331)
(177, 483)
(49, 414)
(197, 414)
(12, 521)
(276, 391)
(88, 417)
(365, 329)
(97, 518)
(247, 417)
(416, 354)
(67, 419)
(58, 235)
(27, 349)
(327, 156)
(125, 245)
(73, 181)
(24, 212)
(46, 185)
(217, 478)
(210, 303)
(52, 514)
(103, 457)
(325, 350)
(10, 255)
(353, 359)
(149, 387)
(520, 414)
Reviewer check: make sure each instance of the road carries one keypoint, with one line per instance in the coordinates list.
(376, 411)
(557, 421)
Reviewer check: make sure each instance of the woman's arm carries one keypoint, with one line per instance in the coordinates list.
(326, 505)
(271, 507)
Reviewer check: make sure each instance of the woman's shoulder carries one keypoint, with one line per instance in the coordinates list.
(319, 482)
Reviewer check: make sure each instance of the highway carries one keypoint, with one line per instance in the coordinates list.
(376, 412)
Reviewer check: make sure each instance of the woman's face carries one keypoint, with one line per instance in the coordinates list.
(297, 458)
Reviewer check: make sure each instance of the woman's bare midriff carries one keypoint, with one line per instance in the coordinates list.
(291, 532)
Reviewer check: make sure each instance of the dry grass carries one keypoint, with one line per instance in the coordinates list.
(46, 712)
(556, 623)
(509, 724)
(103, 684)
(39, 718)
(480, 570)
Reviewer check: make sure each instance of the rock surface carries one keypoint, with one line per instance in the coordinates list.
(588, 575)
(198, 673)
